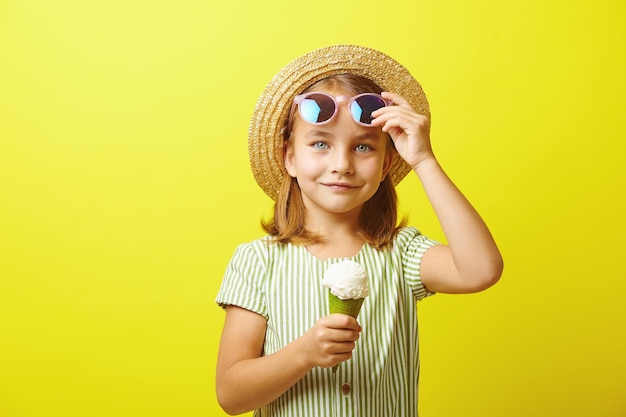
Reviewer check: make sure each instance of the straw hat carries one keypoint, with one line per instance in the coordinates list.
(265, 138)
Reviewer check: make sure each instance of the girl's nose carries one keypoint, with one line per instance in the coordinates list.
(341, 162)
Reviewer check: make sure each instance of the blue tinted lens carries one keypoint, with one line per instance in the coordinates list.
(317, 108)
(363, 107)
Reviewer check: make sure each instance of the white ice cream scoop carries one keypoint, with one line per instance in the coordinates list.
(346, 280)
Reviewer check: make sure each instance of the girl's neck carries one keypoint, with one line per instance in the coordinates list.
(338, 234)
(336, 243)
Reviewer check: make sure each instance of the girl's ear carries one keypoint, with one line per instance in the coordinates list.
(289, 159)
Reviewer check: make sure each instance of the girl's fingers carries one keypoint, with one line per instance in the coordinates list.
(397, 99)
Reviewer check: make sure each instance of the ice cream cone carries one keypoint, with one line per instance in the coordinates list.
(350, 307)
(347, 284)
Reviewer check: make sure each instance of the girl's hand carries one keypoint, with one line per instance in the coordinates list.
(331, 340)
(246, 379)
(409, 130)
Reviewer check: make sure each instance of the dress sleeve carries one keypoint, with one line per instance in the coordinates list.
(243, 281)
(412, 245)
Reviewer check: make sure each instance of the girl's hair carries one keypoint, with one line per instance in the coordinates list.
(378, 220)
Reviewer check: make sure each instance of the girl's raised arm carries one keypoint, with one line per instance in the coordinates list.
(471, 261)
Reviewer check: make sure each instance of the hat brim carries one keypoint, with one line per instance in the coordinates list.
(265, 137)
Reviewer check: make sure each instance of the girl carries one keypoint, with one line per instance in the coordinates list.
(332, 134)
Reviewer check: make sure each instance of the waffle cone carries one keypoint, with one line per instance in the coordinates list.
(349, 307)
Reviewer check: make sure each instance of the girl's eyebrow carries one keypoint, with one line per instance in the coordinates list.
(321, 133)
(367, 136)
(317, 134)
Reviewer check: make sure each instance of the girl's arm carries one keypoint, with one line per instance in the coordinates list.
(471, 261)
(246, 380)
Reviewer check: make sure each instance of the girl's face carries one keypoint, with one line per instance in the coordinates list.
(338, 165)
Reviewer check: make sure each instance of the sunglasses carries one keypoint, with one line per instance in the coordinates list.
(320, 108)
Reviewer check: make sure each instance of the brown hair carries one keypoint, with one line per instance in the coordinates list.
(378, 220)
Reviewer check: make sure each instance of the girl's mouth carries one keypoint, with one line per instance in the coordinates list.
(339, 185)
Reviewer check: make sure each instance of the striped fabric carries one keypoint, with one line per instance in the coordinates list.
(283, 284)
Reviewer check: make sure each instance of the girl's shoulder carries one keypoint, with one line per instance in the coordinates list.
(258, 245)
(264, 248)
(406, 235)
(409, 238)
(408, 231)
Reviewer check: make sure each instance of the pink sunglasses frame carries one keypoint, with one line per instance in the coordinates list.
(337, 100)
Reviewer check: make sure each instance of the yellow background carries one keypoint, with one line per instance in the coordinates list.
(125, 187)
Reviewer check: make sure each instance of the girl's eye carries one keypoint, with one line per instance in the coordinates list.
(362, 148)
(320, 145)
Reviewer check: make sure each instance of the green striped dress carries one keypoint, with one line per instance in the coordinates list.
(282, 282)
